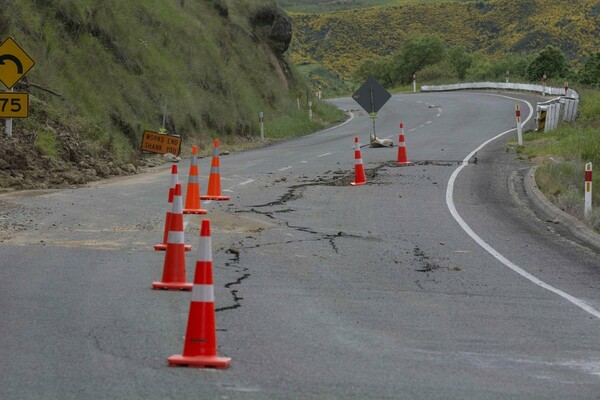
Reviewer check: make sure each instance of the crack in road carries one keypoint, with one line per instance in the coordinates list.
(237, 300)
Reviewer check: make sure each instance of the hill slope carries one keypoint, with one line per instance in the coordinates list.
(341, 41)
(105, 70)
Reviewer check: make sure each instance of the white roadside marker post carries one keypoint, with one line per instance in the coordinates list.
(261, 117)
(310, 110)
(519, 126)
(414, 83)
(588, 190)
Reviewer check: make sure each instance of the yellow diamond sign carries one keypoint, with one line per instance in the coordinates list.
(14, 62)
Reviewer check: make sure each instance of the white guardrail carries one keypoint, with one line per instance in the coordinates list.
(547, 113)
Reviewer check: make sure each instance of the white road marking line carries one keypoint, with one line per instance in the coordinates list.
(228, 190)
(450, 203)
(428, 122)
(207, 201)
(438, 115)
(304, 162)
(413, 129)
(323, 155)
(246, 182)
(285, 168)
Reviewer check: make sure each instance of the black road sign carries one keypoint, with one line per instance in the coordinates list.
(371, 96)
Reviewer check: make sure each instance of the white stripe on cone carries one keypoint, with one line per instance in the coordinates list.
(203, 293)
(204, 249)
(175, 237)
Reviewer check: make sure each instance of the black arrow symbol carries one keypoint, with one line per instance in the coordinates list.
(13, 59)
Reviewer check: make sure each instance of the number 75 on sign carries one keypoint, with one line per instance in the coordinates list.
(14, 105)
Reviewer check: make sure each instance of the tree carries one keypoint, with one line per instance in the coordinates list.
(417, 53)
(590, 72)
(550, 62)
(460, 61)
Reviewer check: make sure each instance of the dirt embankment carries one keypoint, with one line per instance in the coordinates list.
(23, 166)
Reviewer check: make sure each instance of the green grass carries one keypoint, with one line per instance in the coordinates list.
(47, 143)
(562, 155)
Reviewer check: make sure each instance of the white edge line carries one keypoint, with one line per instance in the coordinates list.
(490, 249)
(246, 182)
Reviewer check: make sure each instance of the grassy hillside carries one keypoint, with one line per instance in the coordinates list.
(114, 63)
(342, 41)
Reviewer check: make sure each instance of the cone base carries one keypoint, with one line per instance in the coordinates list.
(194, 211)
(163, 247)
(406, 163)
(357, 183)
(199, 361)
(172, 285)
(217, 198)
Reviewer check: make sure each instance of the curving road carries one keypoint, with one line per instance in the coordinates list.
(434, 281)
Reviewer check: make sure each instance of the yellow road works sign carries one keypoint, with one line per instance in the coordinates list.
(14, 62)
(14, 105)
(155, 142)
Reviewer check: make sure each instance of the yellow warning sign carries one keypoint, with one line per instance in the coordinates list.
(160, 143)
(14, 105)
(14, 62)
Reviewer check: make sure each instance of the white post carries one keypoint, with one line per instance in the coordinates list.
(544, 86)
(310, 110)
(588, 190)
(298, 101)
(519, 127)
(9, 124)
(414, 83)
(261, 116)
(165, 115)
(319, 93)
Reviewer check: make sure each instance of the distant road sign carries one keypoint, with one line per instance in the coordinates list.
(371, 96)
(155, 142)
(14, 105)
(14, 62)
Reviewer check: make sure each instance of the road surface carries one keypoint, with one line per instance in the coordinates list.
(433, 281)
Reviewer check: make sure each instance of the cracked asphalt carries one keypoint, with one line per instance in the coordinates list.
(323, 290)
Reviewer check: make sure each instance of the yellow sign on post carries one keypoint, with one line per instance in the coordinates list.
(155, 142)
(14, 62)
(14, 105)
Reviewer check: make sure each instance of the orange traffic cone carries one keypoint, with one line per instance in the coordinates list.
(214, 180)
(359, 171)
(174, 180)
(200, 345)
(402, 158)
(174, 266)
(192, 194)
